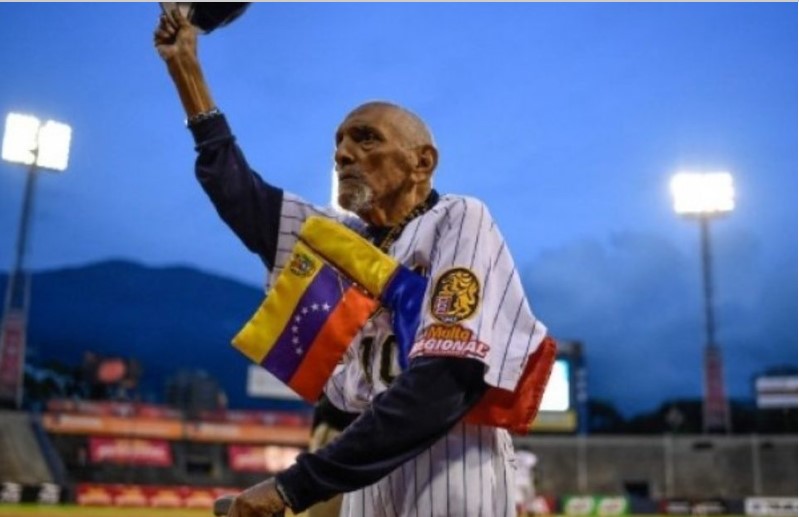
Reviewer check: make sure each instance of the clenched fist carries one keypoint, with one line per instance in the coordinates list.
(176, 41)
(175, 38)
(261, 500)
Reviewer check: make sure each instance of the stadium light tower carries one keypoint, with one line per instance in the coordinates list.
(705, 196)
(38, 145)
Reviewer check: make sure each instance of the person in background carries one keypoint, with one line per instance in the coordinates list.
(525, 482)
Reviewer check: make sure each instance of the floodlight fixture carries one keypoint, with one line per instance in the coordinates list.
(703, 197)
(20, 138)
(29, 142)
(703, 194)
(54, 139)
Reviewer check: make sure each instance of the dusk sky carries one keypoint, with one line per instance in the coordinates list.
(567, 120)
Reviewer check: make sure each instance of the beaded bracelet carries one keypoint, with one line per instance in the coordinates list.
(205, 115)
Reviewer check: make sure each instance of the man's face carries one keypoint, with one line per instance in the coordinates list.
(372, 159)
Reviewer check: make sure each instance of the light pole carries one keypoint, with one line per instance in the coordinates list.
(28, 142)
(705, 196)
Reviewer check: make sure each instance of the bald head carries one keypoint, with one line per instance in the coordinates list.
(385, 160)
(409, 125)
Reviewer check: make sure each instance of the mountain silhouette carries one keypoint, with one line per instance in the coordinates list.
(168, 318)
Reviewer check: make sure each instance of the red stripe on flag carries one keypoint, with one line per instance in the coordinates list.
(331, 342)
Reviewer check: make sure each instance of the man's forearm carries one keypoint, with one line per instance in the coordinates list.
(189, 80)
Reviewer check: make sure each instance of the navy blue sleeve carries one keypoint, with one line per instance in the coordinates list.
(325, 412)
(247, 204)
(419, 408)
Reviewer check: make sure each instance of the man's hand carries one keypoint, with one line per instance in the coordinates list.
(175, 38)
(176, 41)
(261, 500)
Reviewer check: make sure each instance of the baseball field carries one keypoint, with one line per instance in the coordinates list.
(82, 511)
(18, 510)
(23, 510)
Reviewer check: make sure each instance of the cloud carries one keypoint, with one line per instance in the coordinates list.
(635, 301)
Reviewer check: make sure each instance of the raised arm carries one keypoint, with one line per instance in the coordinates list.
(249, 206)
(176, 42)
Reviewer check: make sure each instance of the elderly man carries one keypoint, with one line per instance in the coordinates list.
(420, 445)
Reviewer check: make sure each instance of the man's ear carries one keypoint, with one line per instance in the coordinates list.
(426, 162)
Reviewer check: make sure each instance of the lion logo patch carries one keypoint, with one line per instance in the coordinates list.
(455, 296)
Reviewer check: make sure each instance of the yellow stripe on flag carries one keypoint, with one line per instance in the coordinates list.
(261, 333)
(355, 256)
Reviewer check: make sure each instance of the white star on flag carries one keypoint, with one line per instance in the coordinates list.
(315, 307)
(326, 307)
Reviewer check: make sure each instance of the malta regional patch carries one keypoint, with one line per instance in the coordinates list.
(456, 296)
(449, 341)
(302, 264)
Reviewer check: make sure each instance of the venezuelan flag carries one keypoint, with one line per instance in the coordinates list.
(398, 288)
(305, 324)
(334, 281)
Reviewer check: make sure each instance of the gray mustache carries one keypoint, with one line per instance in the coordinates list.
(350, 172)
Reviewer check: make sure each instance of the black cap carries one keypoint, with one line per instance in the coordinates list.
(208, 16)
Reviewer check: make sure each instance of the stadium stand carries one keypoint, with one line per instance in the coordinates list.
(21, 459)
(55, 464)
(148, 445)
(119, 453)
(686, 466)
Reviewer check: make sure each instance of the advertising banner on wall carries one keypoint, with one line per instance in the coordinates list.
(130, 451)
(113, 408)
(254, 458)
(164, 496)
(168, 429)
(129, 495)
(95, 494)
(776, 391)
(595, 505)
(90, 424)
(776, 506)
(245, 433)
(198, 497)
(696, 507)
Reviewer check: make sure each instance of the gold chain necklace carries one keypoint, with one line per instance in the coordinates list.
(395, 231)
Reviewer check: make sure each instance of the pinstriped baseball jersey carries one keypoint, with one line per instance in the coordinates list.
(467, 473)
(474, 307)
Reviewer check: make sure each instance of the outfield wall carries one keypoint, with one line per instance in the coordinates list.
(685, 466)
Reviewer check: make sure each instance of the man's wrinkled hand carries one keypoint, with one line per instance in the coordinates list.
(175, 37)
(261, 500)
